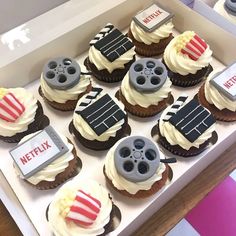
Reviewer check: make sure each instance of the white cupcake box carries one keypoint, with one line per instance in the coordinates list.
(205, 8)
(26, 204)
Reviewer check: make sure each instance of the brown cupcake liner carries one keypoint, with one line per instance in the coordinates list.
(154, 49)
(104, 75)
(70, 171)
(111, 226)
(190, 79)
(221, 115)
(68, 105)
(142, 111)
(178, 150)
(101, 145)
(39, 123)
(142, 193)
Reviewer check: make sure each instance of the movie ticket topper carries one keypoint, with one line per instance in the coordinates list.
(152, 17)
(38, 151)
(225, 81)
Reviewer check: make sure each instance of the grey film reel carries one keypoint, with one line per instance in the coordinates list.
(61, 73)
(147, 75)
(136, 158)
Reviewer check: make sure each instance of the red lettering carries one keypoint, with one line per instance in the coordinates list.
(227, 85)
(40, 150)
(47, 145)
(23, 160)
(32, 153)
(152, 16)
(233, 79)
(27, 156)
(36, 151)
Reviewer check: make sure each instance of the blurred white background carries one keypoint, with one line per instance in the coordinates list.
(16, 12)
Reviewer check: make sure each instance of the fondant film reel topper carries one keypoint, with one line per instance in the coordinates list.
(61, 73)
(137, 158)
(147, 75)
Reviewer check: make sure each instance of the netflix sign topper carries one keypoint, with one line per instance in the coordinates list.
(152, 18)
(38, 151)
(225, 81)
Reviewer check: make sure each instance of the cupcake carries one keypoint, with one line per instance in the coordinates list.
(226, 8)
(62, 83)
(133, 167)
(185, 129)
(81, 207)
(99, 121)
(111, 54)
(20, 114)
(151, 31)
(218, 94)
(187, 58)
(51, 174)
(145, 89)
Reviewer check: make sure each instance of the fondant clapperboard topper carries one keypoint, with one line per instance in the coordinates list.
(100, 114)
(225, 81)
(191, 120)
(152, 17)
(38, 151)
(111, 43)
(147, 75)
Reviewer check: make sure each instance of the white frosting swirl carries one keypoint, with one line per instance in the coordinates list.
(144, 99)
(8, 129)
(87, 132)
(219, 7)
(62, 96)
(215, 97)
(123, 184)
(101, 62)
(180, 63)
(56, 167)
(174, 137)
(155, 36)
(57, 222)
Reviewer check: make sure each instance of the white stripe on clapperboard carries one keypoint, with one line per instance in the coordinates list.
(103, 113)
(99, 108)
(195, 128)
(192, 120)
(103, 122)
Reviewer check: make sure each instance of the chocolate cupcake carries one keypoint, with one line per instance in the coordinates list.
(111, 54)
(134, 168)
(145, 90)
(218, 94)
(185, 129)
(99, 121)
(20, 114)
(47, 175)
(150, 32)
(62, 83)
(81, 207)
(187, 58)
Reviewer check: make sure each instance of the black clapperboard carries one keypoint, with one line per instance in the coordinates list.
(192, 120)
(113, 45)
(102, 114)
